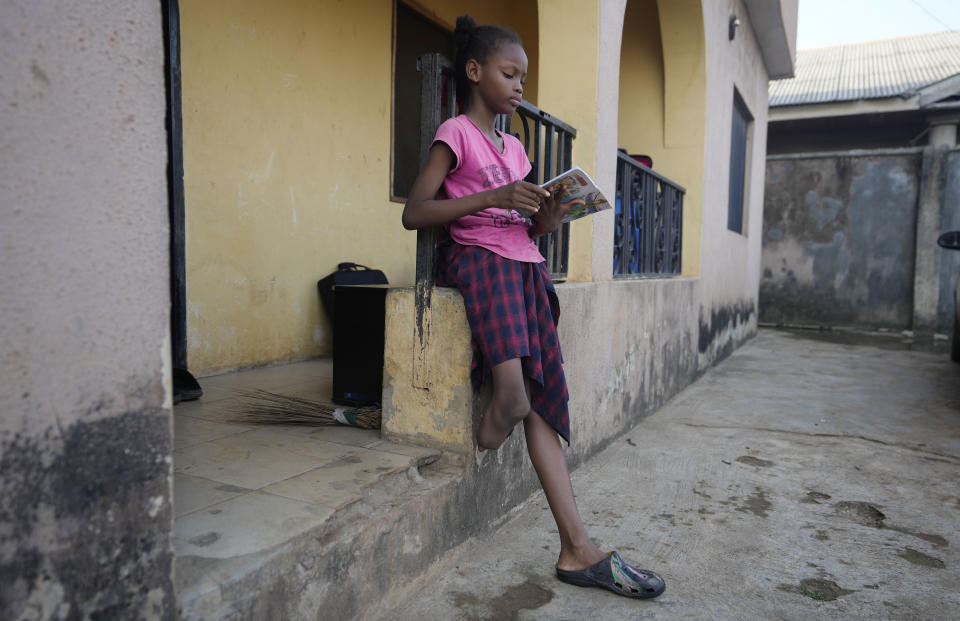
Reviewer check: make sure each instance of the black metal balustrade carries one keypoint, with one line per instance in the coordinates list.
(548, 142)
(648, 228)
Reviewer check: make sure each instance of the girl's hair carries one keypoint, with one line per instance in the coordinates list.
(477, 42)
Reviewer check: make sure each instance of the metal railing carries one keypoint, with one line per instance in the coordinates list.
(648, 226)
(549, 146)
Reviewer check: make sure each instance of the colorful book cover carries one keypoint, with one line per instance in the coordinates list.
(573, 184)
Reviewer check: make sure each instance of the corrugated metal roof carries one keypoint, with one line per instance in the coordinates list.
(870, 70)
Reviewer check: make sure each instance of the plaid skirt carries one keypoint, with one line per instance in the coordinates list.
(513, 310)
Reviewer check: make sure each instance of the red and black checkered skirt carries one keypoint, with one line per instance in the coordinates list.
(513, 310)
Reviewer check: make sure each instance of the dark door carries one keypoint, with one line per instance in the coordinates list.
(178, 285)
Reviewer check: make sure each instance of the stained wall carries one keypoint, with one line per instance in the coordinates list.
(85, 431)
(839, 239)
(730, 260)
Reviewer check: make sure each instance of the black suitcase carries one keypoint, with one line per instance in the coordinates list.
(355, 297)
(346, 274)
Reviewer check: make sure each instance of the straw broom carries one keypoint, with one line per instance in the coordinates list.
(263, 407)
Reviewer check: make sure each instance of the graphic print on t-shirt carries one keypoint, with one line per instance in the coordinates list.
(495, 175)
(501, 221)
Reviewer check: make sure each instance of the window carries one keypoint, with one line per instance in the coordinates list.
(415, 35)
(738, 162)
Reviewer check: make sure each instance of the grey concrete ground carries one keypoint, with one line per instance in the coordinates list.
(799, 479)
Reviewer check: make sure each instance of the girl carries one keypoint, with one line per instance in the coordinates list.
(472, 185)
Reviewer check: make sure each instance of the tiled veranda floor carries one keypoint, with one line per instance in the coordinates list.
(241, 488)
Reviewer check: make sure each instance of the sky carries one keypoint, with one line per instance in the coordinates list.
(835, 22)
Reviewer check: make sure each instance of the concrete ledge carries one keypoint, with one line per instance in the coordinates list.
(345, 568)
(628, 346)
(438, 413)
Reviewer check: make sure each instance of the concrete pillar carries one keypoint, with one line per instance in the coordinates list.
(943, 130)
(565, 52)
(436, 410)
(926, 274)
(605, 158)
(926, 277)
(85, 429)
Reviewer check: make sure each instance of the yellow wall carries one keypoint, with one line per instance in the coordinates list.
(662, 101)
(287, 133)
(640, 126)
(568, 91)
(287, 124)
(286, 159)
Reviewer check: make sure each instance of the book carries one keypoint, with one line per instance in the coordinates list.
(573, 184)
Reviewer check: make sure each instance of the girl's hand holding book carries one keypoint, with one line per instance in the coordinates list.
(519, 196)
(551, 214)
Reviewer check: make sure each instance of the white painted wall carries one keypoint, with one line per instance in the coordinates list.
(85, 416)
(84, 290)
(730, 268)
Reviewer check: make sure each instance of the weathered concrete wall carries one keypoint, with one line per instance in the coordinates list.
(730, 265)
(85, 432)
(926, 259)
(628, 346)
(949, 259)
(419, 410)
(839, 239)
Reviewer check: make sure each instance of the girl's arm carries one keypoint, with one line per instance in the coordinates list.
(551, 215)
(423, 209)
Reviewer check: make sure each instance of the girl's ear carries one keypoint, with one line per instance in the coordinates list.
(473, 69)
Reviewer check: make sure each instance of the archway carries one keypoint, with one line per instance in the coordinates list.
(662, 110)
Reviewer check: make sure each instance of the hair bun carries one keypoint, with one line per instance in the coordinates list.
(465, 28)
(466, 23)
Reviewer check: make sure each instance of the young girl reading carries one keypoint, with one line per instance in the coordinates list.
(472, 184)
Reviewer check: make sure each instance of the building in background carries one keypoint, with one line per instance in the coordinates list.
(863, 175)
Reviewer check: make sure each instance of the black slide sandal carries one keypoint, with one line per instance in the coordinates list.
(617, 576)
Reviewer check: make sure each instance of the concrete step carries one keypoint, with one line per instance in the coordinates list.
(260, 555)
(302, 522)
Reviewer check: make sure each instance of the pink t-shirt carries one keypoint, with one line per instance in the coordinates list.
(480, 166)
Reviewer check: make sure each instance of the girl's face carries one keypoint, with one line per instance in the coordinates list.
(500, 80)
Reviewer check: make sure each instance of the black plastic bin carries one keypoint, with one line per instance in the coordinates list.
(358, 333)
